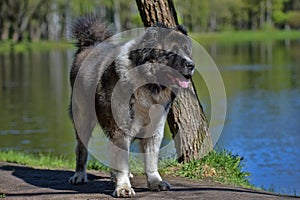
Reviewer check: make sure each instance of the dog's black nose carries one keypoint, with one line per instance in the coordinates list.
(189, 65)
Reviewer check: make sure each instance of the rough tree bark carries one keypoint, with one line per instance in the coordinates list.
(186, 117)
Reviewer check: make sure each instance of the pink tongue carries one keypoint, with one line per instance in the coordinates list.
(183, 84)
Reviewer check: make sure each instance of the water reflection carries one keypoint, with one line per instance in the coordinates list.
(33, 104)
(262, 81)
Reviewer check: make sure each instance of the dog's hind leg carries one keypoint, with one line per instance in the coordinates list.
(80, 175)
(84, 125)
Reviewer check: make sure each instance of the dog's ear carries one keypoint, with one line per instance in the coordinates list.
(160, 25)
(182, 29)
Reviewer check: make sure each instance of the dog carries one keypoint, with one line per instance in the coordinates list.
(128, 88)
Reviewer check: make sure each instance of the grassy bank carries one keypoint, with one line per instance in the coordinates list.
(8, 46)
(244, 36)
(220, 167)
(45, 160)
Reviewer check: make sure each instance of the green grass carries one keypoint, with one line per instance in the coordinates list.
(36, 160)
(244, 36)
(222, 167)
(45, 160)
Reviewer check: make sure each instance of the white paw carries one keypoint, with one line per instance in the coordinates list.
(123, 191)
(78, 178)
(114, 179)
(130, 175)
(159, 186)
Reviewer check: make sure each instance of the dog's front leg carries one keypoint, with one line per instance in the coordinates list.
(151, 151)
(119, 150)
(150, 147)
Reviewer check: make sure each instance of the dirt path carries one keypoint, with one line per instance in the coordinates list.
(22, 182)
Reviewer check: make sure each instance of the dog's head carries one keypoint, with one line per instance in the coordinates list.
(172, 48)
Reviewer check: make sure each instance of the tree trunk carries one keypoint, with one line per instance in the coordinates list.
(262, 15)
(68, 21)
(269, 12)
(117, 19)
(186, 118)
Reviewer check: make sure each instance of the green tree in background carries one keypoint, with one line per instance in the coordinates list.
(50, 19)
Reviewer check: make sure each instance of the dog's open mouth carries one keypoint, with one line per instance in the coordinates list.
(178, 81)
(184, 83)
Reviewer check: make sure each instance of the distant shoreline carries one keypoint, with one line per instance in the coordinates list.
(203, 38)
(245, 36)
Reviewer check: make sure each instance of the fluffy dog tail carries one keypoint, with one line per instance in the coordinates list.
(89, 30)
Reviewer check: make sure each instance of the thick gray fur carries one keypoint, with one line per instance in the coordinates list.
(100, 65)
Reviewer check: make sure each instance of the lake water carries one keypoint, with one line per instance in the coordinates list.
(262, 81)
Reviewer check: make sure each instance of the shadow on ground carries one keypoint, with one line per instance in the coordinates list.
(58, 180)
